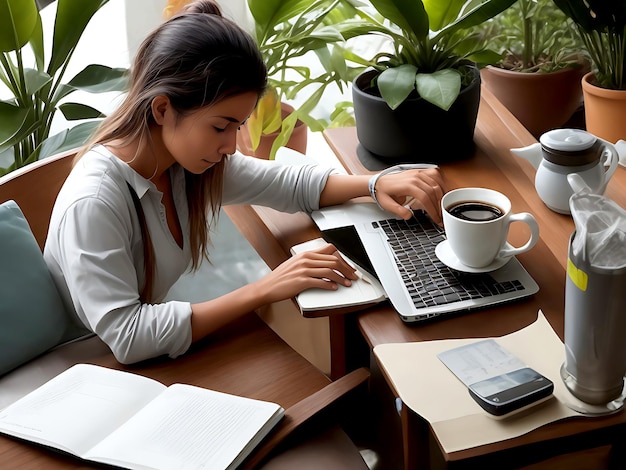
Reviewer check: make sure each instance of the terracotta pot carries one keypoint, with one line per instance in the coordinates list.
(416, 131)
(540, 101)
(604, 110)
(297, 141)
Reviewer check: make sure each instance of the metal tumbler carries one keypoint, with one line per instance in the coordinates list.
(595, 330)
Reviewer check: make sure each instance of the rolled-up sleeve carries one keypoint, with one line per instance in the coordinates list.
(249, 180)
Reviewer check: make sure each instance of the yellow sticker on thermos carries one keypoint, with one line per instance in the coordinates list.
(578, 276)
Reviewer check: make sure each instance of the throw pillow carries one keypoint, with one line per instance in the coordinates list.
(32, 315)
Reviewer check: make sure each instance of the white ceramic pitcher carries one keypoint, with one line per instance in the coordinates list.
(561, 152)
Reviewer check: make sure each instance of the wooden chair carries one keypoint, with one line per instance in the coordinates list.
(35, 188)
(245, 358)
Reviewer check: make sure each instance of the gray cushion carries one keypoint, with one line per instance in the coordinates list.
(32, 316)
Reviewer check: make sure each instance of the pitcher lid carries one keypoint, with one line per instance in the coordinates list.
(567, 140)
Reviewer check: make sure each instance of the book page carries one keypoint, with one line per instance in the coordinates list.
(79, 407)
(189, 427)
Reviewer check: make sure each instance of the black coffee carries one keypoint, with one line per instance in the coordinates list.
(475, 211)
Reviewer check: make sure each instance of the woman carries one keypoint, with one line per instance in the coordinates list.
(137, 208)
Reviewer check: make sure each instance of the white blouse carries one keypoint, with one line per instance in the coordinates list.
(94, 248)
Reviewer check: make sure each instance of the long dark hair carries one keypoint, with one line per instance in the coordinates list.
(197, 58)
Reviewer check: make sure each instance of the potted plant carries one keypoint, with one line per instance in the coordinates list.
(286, 32)
(419, 101)
(602, 27)
(537, 76)
(37, 89)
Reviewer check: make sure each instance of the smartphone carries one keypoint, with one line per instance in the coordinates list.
(511, 392)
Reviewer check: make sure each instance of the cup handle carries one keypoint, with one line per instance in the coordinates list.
(534, 234)
(609, 151)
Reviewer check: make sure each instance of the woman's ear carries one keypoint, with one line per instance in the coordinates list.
(160, 107)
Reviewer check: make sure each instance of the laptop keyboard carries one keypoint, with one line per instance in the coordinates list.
(428, 280)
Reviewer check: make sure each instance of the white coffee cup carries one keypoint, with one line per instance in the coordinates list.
(478, 233)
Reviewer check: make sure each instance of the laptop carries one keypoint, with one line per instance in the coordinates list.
(401, 255)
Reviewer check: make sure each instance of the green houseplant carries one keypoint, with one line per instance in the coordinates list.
(37, 88)
(286, 31)
(542, 62)
(432, 63)
(534, 36)
(602, 27)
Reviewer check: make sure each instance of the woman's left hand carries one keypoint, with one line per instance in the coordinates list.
(420, 189)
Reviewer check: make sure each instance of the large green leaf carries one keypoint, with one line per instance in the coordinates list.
(77, 111)
(475, 16)
(18, 19)
(12, 119)
(37, 46)
(290, 121)
(327, 34)
(409, 15)
(7, 170)
(440, 88)
(268, 14)
(100, 79)
(35, 80)
(287, 126)
(266, 117)
(67, 139)
(71, 20)
(336, 64)
(94, 79)
(441, 13)
(396, 83)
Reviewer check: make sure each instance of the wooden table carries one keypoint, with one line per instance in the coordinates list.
(272, 234)
(495, 167)
(245, 358)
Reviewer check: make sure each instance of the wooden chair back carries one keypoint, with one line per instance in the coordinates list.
(35, 188)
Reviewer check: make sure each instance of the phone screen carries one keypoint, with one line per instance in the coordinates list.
(346, 240)
(512, 391)
(504, 382)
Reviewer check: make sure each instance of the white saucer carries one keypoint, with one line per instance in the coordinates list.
(447, 257)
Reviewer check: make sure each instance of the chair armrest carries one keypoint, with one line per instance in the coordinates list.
(306, 409)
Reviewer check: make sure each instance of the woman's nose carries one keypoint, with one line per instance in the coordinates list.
(229, 143)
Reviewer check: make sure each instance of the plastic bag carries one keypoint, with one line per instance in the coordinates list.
(600, 237)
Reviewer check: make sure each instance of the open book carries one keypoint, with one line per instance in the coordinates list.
(365, 290)
(123, 419)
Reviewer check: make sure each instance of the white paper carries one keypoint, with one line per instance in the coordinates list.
(480, 361)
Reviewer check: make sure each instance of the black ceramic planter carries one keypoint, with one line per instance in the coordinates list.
(417, 131)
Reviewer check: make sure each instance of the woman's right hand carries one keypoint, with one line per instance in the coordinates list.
(322, 268)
